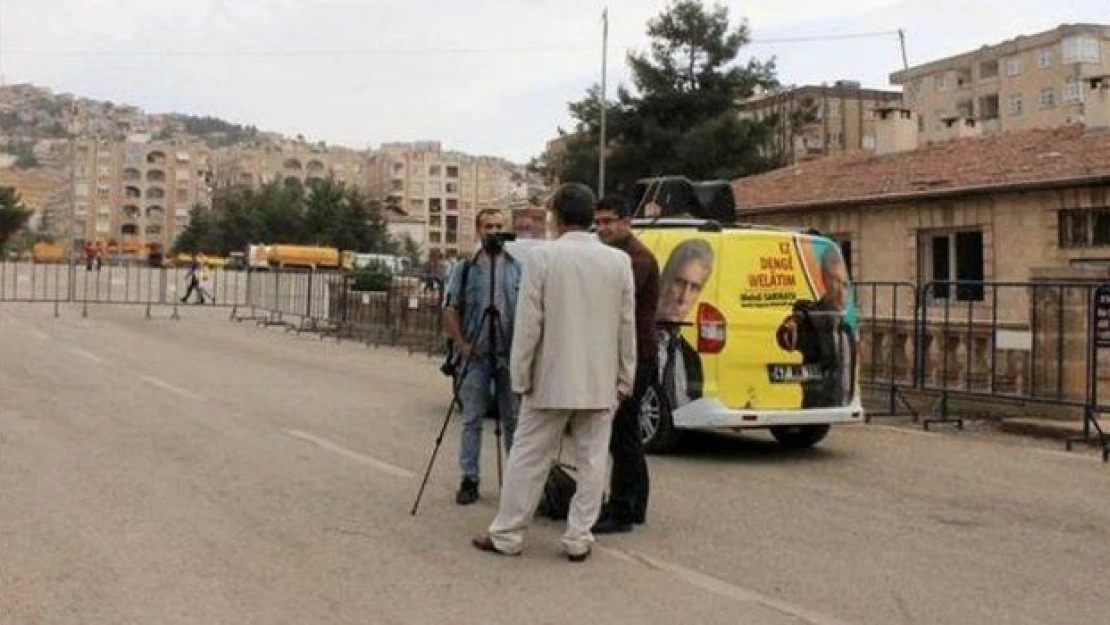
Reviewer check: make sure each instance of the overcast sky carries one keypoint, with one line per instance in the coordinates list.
(482, 76)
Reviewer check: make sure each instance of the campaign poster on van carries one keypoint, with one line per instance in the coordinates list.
(789, 313)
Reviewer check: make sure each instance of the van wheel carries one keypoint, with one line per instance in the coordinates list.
(799, 436)
(657, 430)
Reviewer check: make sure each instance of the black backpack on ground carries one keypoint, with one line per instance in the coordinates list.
(557, 492)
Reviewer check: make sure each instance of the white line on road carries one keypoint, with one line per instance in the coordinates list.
(171, 388)
(720, 587)
(86, 354)
(384, 467)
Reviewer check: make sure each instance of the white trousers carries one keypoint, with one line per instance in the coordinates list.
(534, 447)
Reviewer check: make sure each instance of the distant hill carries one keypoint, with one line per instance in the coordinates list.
(31, 115)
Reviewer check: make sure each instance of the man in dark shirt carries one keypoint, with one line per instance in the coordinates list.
(629, 486)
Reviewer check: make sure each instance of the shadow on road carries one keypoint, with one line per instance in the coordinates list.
(697, 446)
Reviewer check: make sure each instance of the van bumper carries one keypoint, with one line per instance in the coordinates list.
(711, 413)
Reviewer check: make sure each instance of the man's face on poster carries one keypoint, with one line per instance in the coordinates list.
(836, 284)
(681, 293)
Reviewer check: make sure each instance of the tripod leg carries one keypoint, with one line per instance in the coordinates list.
(435, 451)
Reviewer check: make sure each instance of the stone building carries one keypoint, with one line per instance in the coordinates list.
(1031, 206)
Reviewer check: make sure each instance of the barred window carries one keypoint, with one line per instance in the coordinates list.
(1084, 227)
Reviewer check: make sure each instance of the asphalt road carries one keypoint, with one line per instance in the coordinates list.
(206, 471)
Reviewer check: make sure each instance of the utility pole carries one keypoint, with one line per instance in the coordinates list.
(601, 102)
(902, 42)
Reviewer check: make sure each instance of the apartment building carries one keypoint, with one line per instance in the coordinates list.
(134, 196)
(819, 120)
(1033, 81)
(258, 164)
(443, 189)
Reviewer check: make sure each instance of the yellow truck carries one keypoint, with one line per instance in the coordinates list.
(306, 256)
(43, 252)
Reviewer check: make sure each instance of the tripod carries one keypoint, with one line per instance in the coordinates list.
(491, 323)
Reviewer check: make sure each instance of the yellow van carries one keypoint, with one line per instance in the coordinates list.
(758, 328)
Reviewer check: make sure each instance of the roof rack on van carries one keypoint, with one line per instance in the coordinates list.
(711, 225)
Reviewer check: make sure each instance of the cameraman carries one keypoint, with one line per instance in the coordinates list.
(464, 319)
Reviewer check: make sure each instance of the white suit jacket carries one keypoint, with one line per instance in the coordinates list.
(574, 340)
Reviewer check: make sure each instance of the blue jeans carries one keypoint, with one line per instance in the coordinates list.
(475, 393)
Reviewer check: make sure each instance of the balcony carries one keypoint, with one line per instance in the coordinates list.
(132, 193)
(131, 212)
(131, 175)
(315, 167)
(292, 164)
(157, 157)
(155, 175)
(155, 193)
(155, 213)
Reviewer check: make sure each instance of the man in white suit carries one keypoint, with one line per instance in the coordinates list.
(573, 360)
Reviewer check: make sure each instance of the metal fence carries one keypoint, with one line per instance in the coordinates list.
(1022, 341)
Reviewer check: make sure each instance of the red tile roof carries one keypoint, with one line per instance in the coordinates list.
(1029, 157)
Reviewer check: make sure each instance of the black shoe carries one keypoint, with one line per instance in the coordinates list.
(468, 492)
(581, 557)
(611, 525)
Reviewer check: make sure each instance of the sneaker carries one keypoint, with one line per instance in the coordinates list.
(468, 492)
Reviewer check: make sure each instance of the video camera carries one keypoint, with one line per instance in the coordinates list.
(494, 242)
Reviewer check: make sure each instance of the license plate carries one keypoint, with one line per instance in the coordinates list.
(790, 374)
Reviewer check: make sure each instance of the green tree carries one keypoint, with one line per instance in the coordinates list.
(679, 116)
(325, 212)
(13, 215)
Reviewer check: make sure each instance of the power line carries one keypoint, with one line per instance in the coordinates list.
(878, 33)
(339, 52)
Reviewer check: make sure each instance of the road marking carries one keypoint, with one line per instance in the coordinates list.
(720, 587)
(171, 388)
(384, 467)
(86, 354)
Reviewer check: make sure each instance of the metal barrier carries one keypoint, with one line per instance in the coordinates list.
(406, 314)
(888, 313)
(117, 283)
(1024, 341)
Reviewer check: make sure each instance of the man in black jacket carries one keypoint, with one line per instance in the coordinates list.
(629, 483)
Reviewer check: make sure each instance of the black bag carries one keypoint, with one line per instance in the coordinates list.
(557, 493)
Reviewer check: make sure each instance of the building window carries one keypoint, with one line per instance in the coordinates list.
(869, 142)
(452, 171)
(1045, 58)
(953, 257)
(921, 123)
(1013, 66)
(452, 188)
(1084, 227)
(1048, 98)
(452, 205)
(435, 205)
(1016, 107)
(1073, 92)
(1082, 50)
(435, 221)
(398, 169)
(942, 82)
(988, 69)
(834, 107)
(433, 171)
(988, 107)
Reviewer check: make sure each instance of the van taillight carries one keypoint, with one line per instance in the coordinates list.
(711, 329)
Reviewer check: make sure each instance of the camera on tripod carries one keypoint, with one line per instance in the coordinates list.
(494, 242)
